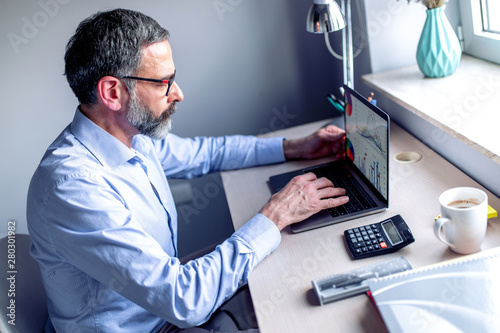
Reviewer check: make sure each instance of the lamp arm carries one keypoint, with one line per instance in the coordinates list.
(335, 54)
(329, 47)
(348, 60)
(360, 47)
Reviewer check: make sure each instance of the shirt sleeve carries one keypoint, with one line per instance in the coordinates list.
(94, 231)
(193, 157)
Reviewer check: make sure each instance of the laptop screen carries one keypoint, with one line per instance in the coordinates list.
(367, 146)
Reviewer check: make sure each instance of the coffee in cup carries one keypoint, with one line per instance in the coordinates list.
(463, 203)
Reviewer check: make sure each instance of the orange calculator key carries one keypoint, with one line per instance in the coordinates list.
(383, 245)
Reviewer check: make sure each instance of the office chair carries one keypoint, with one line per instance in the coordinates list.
(30, 300)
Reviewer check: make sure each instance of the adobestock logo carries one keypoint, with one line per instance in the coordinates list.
(224, 6)
(31, 25)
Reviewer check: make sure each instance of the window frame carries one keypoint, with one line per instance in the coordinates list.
(477, 42)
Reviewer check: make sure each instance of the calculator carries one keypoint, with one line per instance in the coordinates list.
(380, 238)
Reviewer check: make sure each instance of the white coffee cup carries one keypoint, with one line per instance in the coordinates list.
(464, 217)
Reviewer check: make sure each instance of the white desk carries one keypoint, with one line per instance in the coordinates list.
(281, 284)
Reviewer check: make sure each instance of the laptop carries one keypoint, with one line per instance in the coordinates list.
(364, 173)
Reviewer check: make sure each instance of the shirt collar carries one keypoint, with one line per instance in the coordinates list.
(106, 148)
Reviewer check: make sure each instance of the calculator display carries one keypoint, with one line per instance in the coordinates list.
(391, 232)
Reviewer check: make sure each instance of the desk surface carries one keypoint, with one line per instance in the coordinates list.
(281, 284)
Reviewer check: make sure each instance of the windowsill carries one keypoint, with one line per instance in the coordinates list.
(465, 105)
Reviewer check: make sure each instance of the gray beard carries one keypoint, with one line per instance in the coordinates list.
(141, 117)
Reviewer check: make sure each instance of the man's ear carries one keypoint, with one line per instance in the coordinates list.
(112, 92)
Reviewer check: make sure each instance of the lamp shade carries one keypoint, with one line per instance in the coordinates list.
(324, 16)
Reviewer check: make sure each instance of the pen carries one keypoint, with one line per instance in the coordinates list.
(350, 279)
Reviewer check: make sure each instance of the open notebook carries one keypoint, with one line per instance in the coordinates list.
(461, 295)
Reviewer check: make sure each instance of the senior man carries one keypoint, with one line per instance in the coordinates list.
(100, 211)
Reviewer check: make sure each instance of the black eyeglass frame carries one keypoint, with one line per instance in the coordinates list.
(167, 82)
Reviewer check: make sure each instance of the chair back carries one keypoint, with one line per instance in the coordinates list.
(23, 295)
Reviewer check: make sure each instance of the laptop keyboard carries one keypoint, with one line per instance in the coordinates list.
(340, 177)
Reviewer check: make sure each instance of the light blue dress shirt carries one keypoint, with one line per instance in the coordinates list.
(104, 229)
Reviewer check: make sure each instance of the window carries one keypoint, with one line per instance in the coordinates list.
(481, 28)
(490, 23)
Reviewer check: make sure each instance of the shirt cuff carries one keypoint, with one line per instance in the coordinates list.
(270, 150)
(261, 234)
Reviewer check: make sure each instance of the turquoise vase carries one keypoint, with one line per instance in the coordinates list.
(438, 51)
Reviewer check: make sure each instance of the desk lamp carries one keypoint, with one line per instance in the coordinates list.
(326, 16)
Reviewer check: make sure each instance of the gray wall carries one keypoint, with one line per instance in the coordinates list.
(244, 66)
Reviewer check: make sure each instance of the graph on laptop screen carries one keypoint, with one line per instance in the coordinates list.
(366, 142)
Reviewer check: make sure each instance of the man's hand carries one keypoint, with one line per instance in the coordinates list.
(302, 197)
(324, 142)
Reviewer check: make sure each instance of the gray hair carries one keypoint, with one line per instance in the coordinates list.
(108, 43)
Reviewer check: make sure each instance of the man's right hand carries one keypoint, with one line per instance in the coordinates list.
(302, 197)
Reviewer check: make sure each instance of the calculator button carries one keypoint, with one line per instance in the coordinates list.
(358, 245)
(364, 249)
(350, 231)
(376, 246)
(360, 239)
(370, 248)
(358, 251)
(383, 245)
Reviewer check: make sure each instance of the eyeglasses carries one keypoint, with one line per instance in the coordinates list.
(168, 82)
